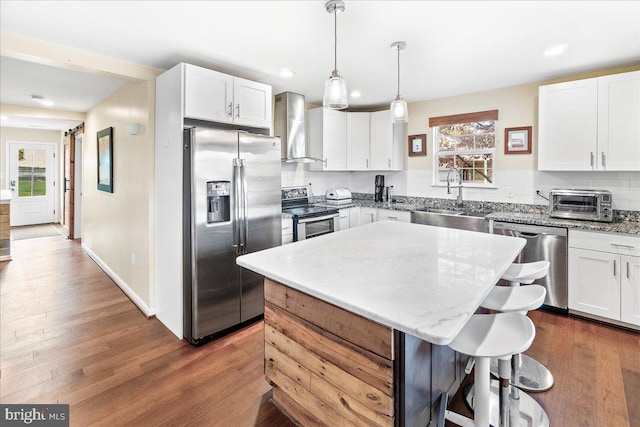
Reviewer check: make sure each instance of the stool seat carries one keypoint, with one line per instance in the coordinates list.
(495, 335)
(527, 272)
(520, 298)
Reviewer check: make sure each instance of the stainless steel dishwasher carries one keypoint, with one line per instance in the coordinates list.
(543, 244)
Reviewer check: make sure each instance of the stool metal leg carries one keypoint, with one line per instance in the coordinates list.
(505, 374)
(482, 378)
(534, 376)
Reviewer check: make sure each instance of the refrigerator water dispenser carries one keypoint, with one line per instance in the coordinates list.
(218, 203)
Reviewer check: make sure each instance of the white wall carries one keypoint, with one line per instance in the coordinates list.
(118, 226)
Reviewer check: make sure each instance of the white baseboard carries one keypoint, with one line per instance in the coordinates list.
(146, 310)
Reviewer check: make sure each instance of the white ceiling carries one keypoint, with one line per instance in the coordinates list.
(453, 47)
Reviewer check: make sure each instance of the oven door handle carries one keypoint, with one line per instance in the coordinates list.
(317, 218)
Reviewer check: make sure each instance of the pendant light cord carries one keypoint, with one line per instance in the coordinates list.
(335, 39)
(398, 47)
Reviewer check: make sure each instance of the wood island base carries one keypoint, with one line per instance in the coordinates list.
(329, 366)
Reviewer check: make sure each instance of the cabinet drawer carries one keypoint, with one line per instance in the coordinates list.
(622, 244)
(394, 215)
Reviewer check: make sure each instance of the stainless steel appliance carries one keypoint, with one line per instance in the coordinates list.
(231, 187)
(309, 220)
(379, 188)
(543, 244)
(592, 205)
(288, 124)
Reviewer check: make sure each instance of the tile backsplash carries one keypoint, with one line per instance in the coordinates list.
(515, 186)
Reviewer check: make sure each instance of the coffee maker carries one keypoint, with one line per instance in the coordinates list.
(379, 186)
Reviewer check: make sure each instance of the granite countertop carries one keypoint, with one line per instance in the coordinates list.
(525, 214)
(385, 272)
(5, 196)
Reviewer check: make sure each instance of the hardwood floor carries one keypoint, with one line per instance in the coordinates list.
(69, 335)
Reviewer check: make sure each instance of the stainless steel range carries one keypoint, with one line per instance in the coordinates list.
(309, 220)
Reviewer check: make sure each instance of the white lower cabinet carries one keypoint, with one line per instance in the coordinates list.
(630, 290)
(287, 230)
(354, 217)
(604, 275)
(345, 218)
(368, 215)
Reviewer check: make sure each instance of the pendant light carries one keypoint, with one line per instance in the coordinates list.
(399, 109)
(335, 88)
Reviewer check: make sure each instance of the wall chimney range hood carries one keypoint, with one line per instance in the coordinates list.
(289, 126)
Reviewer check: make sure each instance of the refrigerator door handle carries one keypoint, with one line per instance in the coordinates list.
(236, 206)
(245, 203)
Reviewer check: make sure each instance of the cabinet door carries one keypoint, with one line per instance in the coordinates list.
(252, 103)
(334, 140)
(619, 122)
(208, 94)
(368, 215)
(594, 285)
(630, 289)
(358, 130)
(344, 219)
(568, 115)
(382, 143)
(354, 217)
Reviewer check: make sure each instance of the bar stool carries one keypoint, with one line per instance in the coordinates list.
(483, 337)
(532, 375)
(522, 409)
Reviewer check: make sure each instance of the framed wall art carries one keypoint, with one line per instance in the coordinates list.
(105, 160)
(417, 145)
(517, 140)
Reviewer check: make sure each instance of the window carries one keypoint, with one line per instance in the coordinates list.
(467, 142)
(32, 172)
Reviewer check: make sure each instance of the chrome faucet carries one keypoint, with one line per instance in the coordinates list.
(459, 186)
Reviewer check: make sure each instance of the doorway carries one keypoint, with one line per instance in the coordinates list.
(32, 172)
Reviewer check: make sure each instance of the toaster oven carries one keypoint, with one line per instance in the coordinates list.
(590, 205)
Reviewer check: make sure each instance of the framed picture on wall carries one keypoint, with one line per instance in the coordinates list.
(417, 145)
(517, 140)
(105, 160)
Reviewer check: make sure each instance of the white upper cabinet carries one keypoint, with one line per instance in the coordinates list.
(385, 143)
(358, 128)
(208, 94)
(327, 136)
(619, 122)
(252, 103)
(369, 140)
(213, 96)
(590, 124)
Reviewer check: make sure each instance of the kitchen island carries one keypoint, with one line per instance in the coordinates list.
(357, 322)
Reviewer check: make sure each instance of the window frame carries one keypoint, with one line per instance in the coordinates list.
(436, 122)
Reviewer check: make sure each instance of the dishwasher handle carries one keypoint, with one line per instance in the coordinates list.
(527, 228)
(527, 235)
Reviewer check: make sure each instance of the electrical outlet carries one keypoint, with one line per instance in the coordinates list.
(510, 192)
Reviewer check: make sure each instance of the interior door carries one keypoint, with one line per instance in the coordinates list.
(32, 180)
(68, 149)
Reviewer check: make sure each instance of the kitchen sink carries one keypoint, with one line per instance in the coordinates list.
(450, 218)
(443, 211)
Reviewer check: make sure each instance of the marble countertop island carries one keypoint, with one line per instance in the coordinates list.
(421, 280)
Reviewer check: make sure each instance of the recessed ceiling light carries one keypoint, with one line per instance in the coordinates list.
(556, 50)
(286, 73)
(41, 100)
(356, 94)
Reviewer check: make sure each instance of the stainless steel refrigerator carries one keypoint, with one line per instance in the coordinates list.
(232, 191)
